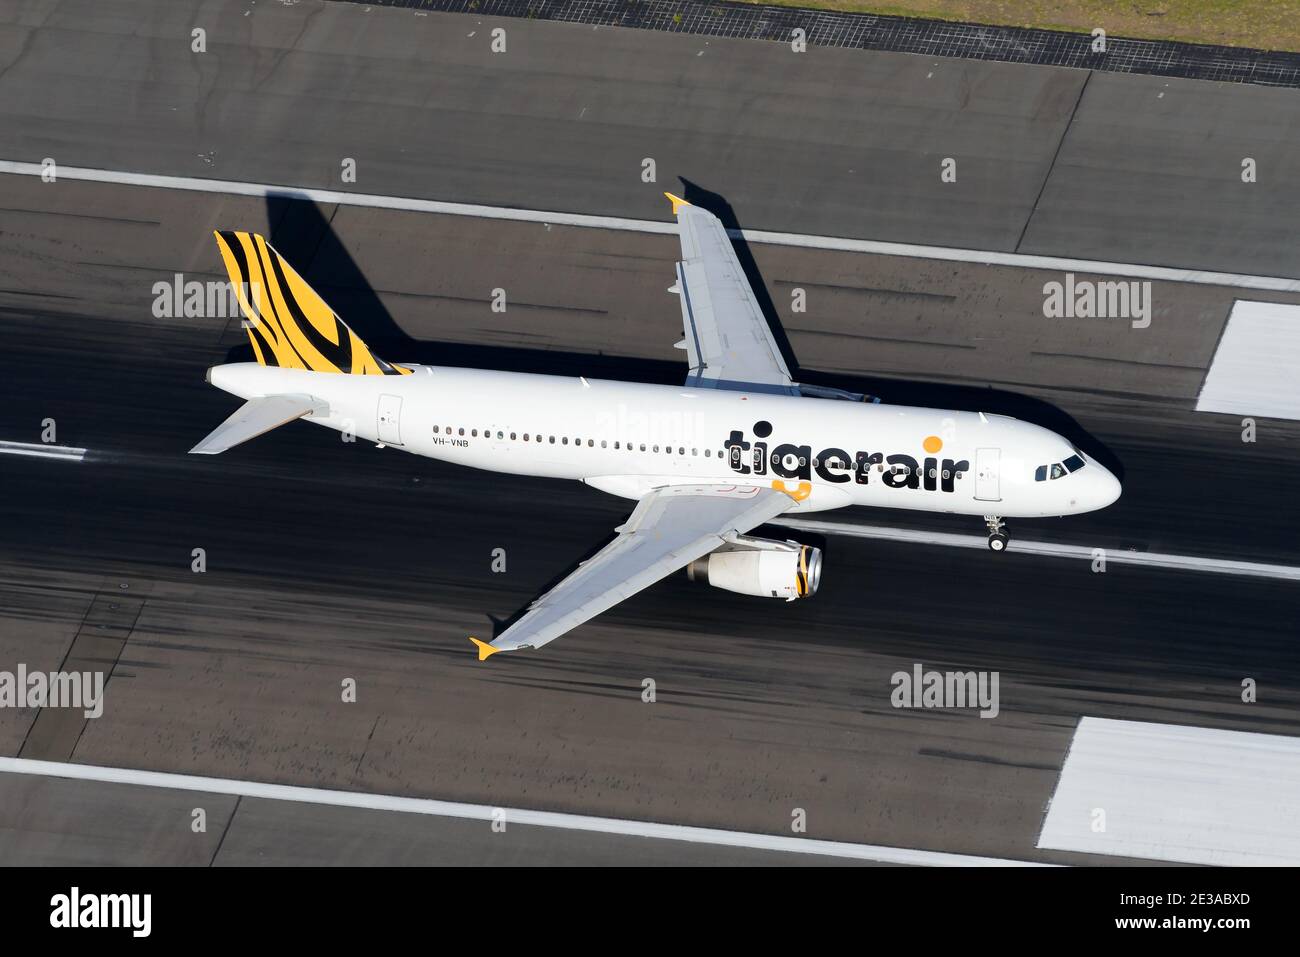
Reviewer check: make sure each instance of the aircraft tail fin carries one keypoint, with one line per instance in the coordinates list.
(289, 324)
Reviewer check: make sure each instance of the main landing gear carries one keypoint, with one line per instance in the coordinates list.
(998, 536)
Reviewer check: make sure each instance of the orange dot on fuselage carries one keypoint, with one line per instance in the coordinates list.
(932, 444)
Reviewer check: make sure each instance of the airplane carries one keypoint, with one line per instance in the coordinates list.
(739, 444)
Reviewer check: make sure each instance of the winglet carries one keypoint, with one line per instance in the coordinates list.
(485, 651)
(677, 202)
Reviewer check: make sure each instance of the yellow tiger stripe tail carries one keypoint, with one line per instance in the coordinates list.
(288, 323)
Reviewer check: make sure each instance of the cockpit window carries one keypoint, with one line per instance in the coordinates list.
(1045, 473)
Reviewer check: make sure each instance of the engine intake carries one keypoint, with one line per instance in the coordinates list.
(760, 567)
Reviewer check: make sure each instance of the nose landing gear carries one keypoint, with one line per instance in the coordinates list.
(998, 537)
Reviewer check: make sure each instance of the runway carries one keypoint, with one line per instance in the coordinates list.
(834, 142)
(328, 562)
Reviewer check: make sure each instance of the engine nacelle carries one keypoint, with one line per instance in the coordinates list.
(757, 566)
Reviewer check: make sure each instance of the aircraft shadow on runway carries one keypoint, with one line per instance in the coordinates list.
(306, 237)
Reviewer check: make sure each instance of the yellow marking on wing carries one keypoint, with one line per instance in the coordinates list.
(485, 651)
(677, 202)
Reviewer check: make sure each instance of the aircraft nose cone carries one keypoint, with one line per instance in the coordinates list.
(1108, 489)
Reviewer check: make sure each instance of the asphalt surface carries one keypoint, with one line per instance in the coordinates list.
(328, 561)
(61, 823)
(834, 142)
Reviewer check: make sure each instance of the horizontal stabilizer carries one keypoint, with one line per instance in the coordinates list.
(255, 417)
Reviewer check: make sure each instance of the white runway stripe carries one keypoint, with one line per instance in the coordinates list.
(64, 452)
(1253, 370)
(1114, 556)
(1177, 793)
(875, 247)
(484, 812)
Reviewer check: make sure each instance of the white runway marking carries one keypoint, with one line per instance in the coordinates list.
(1114, 556)
(63, 452)
(1254, 367)
(875, 247)
(1174, 793)
(483, 812)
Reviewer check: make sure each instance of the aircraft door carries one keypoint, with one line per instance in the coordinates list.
(390, 418)
(987, 484)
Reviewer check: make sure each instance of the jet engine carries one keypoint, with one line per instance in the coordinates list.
(761, 567)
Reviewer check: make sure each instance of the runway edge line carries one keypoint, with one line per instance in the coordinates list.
(483, 812)
(555, 218)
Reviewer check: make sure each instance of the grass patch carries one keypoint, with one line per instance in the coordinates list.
(1264, 24)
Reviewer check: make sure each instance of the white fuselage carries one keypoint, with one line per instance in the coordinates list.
(627, 438)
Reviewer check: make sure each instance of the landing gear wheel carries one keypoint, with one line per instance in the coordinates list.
(998, 536)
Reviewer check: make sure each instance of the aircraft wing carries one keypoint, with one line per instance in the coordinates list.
(728, 340)
(669, 529)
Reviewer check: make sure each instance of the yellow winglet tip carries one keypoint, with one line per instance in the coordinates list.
(485, 651)
(677, 202)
